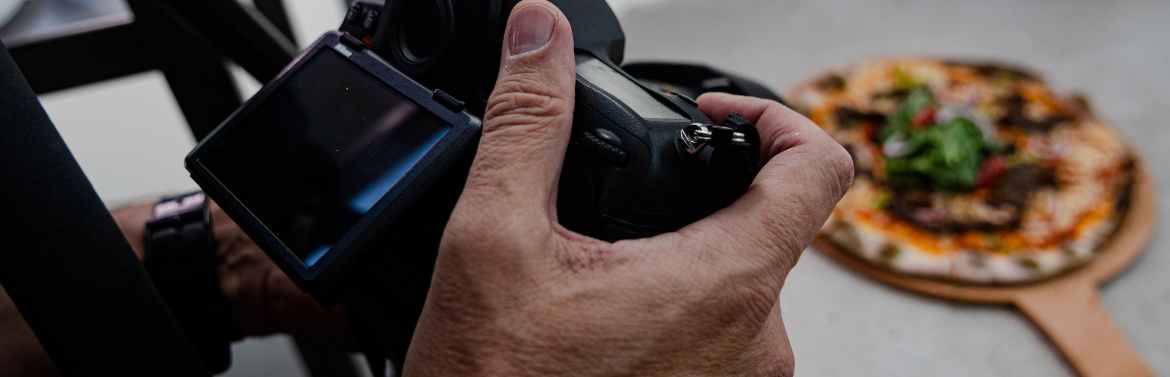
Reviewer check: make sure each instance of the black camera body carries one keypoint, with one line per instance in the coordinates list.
(624, 175)
(346, 167)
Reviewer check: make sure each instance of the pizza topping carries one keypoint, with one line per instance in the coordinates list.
(848, 117)
(945, 213)
(992, 169)
(967, 213)
(1016, 184)
(899, 122)
(921, 208)
(951, 111)
(924, 118)
(946, 156)
(831, 83)
(998, 70)
(872, 133)
(889, 252)
(1028, 263)
(896, 146)
(895, 94)
(931, 217)
(882, 200)
(1016, 115)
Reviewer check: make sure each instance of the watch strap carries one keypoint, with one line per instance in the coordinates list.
(181, 261)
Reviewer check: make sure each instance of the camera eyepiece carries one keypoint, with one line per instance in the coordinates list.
(416, 34)
(420, 32)
(455, 45)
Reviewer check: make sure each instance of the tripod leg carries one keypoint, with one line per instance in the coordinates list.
(107, 53)
(66, 265)
(240, 34)
(205, 91)
(275, 12)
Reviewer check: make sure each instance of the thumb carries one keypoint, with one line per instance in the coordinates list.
(528, 117)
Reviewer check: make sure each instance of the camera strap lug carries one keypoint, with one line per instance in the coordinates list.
(696, 136)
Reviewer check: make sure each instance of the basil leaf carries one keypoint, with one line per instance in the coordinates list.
(947, 156)
(899, 122)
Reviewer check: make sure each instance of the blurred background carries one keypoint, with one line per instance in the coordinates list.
(130, 137)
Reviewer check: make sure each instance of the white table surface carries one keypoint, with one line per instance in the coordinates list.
(842, 324)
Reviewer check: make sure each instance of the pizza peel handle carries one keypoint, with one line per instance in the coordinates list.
(1070, 313)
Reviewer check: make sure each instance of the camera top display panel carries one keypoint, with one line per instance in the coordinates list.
(326, 151)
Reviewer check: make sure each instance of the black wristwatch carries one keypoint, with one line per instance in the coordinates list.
(180, 258)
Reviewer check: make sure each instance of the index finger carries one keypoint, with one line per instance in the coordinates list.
(805, 174)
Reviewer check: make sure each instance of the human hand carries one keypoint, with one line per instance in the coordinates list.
(514, 293)
(263, 299)
(21, 352)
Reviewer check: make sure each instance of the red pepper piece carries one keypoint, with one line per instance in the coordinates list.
(992, 168)
(925, 117)
(870, 131)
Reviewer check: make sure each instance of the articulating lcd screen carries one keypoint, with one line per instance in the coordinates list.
(316, 156)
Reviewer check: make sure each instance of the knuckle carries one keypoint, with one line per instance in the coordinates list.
(776, 137)
(777, 107)
(525, 96)
(524, 115)
(524, 111)
(839, 167)
(518, 128)
(825, 164)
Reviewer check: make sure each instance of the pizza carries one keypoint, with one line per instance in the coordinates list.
(972, 172)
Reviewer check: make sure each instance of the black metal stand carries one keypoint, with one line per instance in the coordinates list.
(187, 40)
(66, 265)
(190, 42)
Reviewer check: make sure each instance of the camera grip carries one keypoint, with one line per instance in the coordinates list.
(624, 176)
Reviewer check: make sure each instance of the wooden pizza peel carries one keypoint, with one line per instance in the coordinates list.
(1067, 307)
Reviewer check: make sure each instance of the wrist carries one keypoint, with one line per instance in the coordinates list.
(179, 255)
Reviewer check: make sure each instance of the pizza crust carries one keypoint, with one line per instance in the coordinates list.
(1021, 266)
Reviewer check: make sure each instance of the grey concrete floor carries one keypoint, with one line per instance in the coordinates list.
(130, 139)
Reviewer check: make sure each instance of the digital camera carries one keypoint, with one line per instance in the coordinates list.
(624, 175)
(345, 168)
